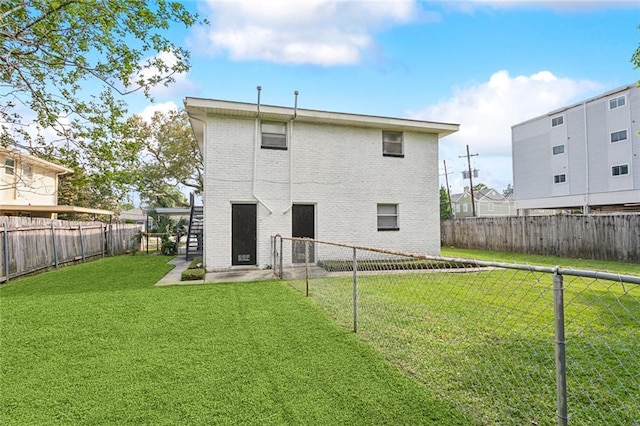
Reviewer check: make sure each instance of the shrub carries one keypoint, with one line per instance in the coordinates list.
(193, 274)
(196, 263)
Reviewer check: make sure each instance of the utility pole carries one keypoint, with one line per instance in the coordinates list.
(446, 179)
(473, 200)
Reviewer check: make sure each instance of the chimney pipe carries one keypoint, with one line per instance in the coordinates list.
(295, 108)
(258, 105)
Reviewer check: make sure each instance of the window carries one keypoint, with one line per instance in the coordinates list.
(392, 144)
(388, 217)
(465, 208)
(492, 207)
(557, 121)
(27, 172)
(274, 135)
(560, 178)
(457, 208)
(558, 149)
(619, 136)
(9, 166)
(618, 102)
(622, 169)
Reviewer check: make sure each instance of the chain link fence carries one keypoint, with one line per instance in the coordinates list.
(507, 343)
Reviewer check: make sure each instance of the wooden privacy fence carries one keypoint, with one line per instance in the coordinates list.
(604, 237)
(31, 244)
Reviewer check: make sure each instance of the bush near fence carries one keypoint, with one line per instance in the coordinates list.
(508, 344)
(603, 237)
(28, 245)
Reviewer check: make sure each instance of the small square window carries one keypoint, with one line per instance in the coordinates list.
(9, 166)
(274, 135)
(619, 136)
(388, 217)
(622, 169)
(27, 172)
(559, 149)
(618, 102)
(560, 178)
(557, 121)
(392, 144)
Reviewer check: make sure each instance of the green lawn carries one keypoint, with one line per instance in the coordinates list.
(485, 340)
(535, 259)
(98, 344)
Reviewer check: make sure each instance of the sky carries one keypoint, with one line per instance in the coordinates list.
(486, 65)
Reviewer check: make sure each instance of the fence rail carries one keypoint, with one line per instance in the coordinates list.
(507, 343)
(28, 245)
(604, 237)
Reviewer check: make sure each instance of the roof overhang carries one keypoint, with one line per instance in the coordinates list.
(200, 109)
(54, 209)
(35, 160)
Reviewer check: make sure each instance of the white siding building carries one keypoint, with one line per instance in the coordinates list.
(339, 177)
(585, 156)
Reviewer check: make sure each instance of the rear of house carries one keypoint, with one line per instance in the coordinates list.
(338, 177)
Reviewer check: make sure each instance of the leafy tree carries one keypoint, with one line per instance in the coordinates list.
(445, 204)
(479, 187)
(171, 158)
(66, 67)
(508, 190)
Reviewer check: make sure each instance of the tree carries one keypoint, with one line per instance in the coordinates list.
(171, 157)
(508, 190)
(445, 204)
(479, 186)
(66, 67)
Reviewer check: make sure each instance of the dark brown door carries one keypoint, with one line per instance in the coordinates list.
(303, 226)
(243, 234)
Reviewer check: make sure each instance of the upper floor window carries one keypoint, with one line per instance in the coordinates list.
(27, 171)
(558, 149)
(618, 102)
(9, 166)
(622, 169)
(274, 135)
(619, 136)
(559, 178)
(388, 217)
(557, 121)
(392, 144)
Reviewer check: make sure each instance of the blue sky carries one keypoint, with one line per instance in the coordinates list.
(486, 65)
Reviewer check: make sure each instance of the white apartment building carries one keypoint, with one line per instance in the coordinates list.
(348, 178)
(585, 156)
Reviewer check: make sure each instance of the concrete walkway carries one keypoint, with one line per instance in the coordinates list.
(232, 275)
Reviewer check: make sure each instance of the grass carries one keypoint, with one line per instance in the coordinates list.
(98, 344)
(485, 340)
(534, 259)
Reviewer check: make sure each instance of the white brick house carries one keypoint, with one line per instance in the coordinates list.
(339, 177)
(584, 156)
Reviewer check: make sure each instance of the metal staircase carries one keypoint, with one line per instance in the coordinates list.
(195, 235)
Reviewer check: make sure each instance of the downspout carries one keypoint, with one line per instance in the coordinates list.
(204, 161)
(295, 114)
(255, 152)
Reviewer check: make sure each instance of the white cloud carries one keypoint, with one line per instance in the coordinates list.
(564, 5)
(486, 112)
(164, 107)
(321, 32)
(179, 86)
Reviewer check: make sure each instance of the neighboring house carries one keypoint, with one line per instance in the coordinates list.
(332, 176)
(29, 187)
(582, 157)
(489, 202)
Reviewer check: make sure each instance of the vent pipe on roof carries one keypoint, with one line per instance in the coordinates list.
(258, 111)
(295, 107)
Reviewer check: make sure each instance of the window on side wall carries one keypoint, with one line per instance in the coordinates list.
(559, 178)
(558, 149)
(617, 102)
(619, 136)
(274, 135)
(9, 166)
(27, 172)
(622, 169)
(388, 217)
(392, 144)
(557, 121)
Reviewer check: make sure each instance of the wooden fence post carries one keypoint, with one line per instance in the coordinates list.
(55, 251)
(5, 242)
